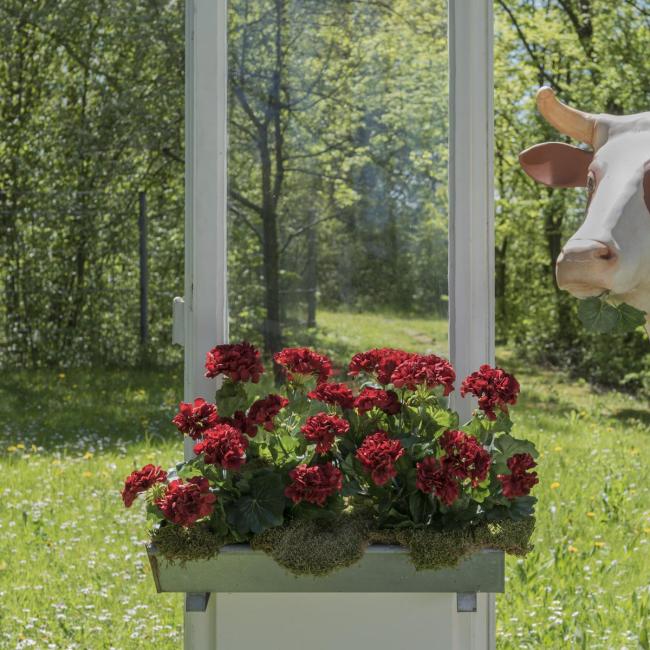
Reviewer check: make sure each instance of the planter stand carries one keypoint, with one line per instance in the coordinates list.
(382, 569)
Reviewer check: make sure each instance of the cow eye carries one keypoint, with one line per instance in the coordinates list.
(591, 183)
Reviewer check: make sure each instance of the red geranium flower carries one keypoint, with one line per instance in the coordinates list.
(333, 394)
(223, 445)
(303, 361)
(184, 503)
(264, 410)
(378, 454)
(194, 419)
(314, 484)
(424, 369)
(494, 387)
(467, 457)
(238, 361)
(378, 362)
(241, 422)
(386, 400)
(322, 428)
(140, 481)
(437, 475)
(519, 482)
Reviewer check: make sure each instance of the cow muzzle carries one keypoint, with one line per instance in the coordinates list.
(586, 267)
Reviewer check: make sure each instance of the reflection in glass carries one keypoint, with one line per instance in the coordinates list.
(338, 174)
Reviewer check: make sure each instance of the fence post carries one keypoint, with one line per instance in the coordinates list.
(144, 272)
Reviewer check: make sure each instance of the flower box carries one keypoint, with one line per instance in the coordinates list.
(329, 487)
(387, 569)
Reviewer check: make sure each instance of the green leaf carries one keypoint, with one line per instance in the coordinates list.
(312, 511)
(351, 487)
(504, 447)
(446, 419)
(231, 397)
(644, 641)
(631, 318)
(480, 493)
(598, 316)
(348, 465)
(419, 507)
(154, 513)
(522, 508)
(188, 470)
(261, 509)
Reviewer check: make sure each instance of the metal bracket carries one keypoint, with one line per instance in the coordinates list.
(466, 601)
(196, 602)
(178, 321)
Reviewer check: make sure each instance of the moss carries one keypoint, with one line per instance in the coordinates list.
(315, 547)
(176, 543)
(435, 549)
(318, 547)
(512, 537)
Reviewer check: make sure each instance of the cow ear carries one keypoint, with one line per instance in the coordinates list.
(557, 164)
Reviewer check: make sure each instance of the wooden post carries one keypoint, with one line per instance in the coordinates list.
(144, 272)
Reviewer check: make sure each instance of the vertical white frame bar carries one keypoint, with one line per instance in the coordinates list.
(471, 193)
(206, 313)
(471, 214)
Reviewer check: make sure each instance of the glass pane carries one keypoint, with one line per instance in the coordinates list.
(338, 174)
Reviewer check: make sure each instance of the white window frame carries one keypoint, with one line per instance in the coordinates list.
(471, 220)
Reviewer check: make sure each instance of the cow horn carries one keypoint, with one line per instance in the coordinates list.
(565, 119)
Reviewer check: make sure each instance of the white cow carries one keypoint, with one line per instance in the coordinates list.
(611, 250)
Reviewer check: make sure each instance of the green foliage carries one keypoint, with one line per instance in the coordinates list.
(598, 315)
(505, 446)
(261, 507)
(91, 113)
(369, 469)
(351, 209)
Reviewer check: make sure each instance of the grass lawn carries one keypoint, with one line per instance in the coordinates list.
(73, 572)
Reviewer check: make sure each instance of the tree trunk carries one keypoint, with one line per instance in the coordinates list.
(272, 326)
(311, 275)
(501, 276)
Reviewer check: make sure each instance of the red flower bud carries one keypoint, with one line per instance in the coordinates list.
(184, 503)
(314, 484)
(494, 388)
(378, 454)
(223, 445)
(141, 481)
(238, 361)
(303, 361)
(194, 418)
(322, 428)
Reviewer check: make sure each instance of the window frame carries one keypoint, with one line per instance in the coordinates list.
(471, 216)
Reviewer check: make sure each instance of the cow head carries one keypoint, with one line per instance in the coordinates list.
(611, 250)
